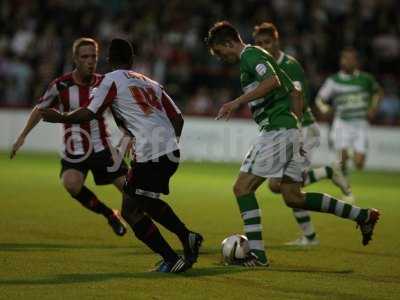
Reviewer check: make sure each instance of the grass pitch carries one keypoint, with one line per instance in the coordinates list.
(52, 248)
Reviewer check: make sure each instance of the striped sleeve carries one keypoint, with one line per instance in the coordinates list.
(326, 91)
(102, 96)
(50, 96)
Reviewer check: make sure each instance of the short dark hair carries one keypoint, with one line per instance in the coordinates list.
(221, 33)
(349, 49)
(266, 28)
(120, 51)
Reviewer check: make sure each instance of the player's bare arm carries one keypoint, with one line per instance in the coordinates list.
(297, 103)
(79, 115)
(322, 106)
(375, 100)
(33, 120)
(261, 90)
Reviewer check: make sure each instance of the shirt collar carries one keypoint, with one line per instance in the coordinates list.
(280, 58)
(244, 49)
(344, 75)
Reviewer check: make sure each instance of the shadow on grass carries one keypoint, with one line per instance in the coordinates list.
(310, 270)
(4, 247)
(98, 277)
(213, 250)
(368, 253)
(199, 272)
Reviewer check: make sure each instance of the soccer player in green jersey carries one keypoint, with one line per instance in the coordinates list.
(276, 152)
(354, 96)
(267, 37)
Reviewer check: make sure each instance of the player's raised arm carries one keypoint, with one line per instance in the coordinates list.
(79, 115)
(100, 100)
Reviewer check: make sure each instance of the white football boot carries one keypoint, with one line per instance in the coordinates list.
(303, 242)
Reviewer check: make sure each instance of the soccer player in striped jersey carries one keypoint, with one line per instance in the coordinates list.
(267, 37)
(276, 153)
(142, 107)
(353, 95)
(85, 146)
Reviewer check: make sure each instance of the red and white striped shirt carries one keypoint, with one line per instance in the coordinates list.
(67, 95)
(141, 106)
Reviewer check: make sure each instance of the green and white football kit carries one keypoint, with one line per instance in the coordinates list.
(275, 153)
(350, 95)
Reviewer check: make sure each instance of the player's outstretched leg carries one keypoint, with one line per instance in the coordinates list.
(146, 231)
(162, 213)
(364, 217)
(89, 200)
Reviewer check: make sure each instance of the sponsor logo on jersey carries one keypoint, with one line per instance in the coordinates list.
(261, 69)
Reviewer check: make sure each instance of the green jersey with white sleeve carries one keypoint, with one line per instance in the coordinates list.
(349, 94)
(274, 110)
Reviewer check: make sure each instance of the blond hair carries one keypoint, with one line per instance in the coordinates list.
(83, 41)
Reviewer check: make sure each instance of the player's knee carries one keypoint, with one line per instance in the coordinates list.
(239, 189)
(359, 164)
(72, 185)
(274, 187)
(291, 195)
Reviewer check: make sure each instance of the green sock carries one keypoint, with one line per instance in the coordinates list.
(305, 224)
(318, 174)
(328, 204)
(251, 215)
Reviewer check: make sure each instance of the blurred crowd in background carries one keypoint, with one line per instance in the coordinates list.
(36, 39)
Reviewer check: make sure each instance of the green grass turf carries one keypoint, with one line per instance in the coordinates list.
(52, 248)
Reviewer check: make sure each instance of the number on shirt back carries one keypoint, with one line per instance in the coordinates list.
(146, 98)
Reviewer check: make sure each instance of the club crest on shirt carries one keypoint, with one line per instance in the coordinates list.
(261, 69)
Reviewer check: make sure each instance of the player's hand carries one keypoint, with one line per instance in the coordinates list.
(371, 114)
(226, 110)
(18, 143)
(125, 146)
(51, 115)
(302, 151)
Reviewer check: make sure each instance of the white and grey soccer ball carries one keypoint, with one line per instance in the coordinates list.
(234, 248)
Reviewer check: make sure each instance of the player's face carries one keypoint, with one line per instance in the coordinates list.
(86, 60)
(267, 42)
(225, 53)
(349, 61)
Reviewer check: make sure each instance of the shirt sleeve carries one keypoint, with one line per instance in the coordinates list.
(375, 86)
(326, 91)
(50, 96)
(259, 65)
(297, 76)
(102, 96)
(170, 107)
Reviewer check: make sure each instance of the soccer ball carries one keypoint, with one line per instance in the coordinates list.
(234, 247)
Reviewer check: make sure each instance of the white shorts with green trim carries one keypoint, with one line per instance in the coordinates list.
(275, 154)
(350, 135)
